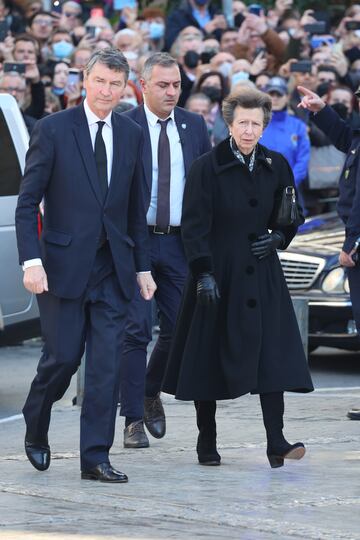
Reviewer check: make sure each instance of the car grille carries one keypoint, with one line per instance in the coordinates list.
(301, 271)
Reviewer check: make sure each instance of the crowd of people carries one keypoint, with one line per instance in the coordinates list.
(257, 85)
(43, 53)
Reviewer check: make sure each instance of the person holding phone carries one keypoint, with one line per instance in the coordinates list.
(198, 13)
(347, 140)
(14, 83)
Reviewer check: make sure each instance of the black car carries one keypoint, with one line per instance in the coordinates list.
(312, 271)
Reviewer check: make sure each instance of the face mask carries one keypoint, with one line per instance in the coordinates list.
(239, 76)
(58, 91)
(201, 3)
(213, 93)
(131, 100)
(341, 110)
(156, 30)
(62, 49)
(225, 69)
(191, 59)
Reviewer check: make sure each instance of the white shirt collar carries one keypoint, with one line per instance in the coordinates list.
(152, 118)
(92, 118)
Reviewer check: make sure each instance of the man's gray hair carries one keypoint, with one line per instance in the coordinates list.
(157, 59)
(111, 58)
(12, 74)
(247, 98)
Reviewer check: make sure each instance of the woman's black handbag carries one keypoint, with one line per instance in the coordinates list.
(288, 212)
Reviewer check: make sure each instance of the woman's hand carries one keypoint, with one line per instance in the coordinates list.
(266, 244)
(207, 291)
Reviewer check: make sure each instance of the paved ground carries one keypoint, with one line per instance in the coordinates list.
(170, 496)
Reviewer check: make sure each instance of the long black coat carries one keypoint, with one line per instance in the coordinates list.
(249, 342)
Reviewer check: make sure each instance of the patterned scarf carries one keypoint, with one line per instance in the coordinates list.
(239, 155)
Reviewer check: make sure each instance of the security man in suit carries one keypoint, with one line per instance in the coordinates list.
(173, 139)
(346, 140)
(84, 163)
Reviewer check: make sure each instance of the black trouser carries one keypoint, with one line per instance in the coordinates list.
(98, 319)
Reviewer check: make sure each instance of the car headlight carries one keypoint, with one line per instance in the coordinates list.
(335, 282)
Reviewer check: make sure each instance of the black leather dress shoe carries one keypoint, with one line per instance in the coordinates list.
(154, 416)
(38, 453)
(104, 472)
(135, 436)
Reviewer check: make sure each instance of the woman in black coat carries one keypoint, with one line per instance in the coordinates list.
(237, 331)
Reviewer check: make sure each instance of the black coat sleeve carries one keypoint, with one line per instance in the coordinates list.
(36, 108)
(335, 128)
(197, 217)
(38, 170)
(286, 178)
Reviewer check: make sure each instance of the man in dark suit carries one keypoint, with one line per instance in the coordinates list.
(173, 139)
(347, 140)
(84, 163)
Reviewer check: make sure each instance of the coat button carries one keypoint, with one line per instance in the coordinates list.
(252, 237)
(250, 269)
(251, 303)
(253, 202)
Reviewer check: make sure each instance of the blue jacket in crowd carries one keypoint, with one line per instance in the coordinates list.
(288, 135)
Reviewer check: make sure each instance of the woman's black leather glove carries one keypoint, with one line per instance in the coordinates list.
(266, 244)
(207, 291)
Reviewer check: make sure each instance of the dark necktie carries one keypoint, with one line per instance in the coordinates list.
(163, 198)
(101, 160)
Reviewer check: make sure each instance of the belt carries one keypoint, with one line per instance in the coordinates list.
(155, 229)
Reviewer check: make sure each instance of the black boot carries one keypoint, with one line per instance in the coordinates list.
(278, 448)
(206, 443)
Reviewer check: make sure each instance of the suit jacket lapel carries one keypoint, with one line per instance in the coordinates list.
(147, 153)
(83, 140)
(185, 138)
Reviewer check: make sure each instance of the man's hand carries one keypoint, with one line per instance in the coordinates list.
(7, 48)
(259, 64)
(310, 100)
(35, 279)
(218, 21)
(345, 258)
(147, 285)
(32, 72)
(256, 23)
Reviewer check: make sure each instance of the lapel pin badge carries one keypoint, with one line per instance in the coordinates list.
(183, 126)
(269, 160)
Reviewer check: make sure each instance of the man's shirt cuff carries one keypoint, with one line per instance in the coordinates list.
(31, 262)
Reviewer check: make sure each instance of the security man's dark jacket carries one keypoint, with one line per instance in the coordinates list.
(346, 140)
